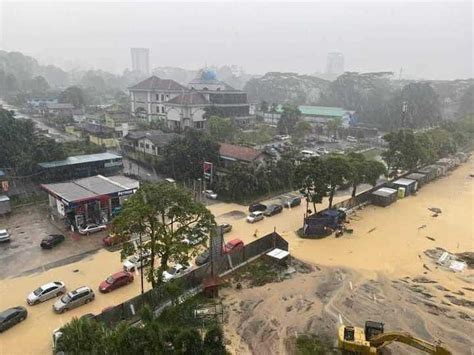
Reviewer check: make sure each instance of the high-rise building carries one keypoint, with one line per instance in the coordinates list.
(335, 63)
(140, 60)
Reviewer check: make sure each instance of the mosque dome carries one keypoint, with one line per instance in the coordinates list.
(208, 75)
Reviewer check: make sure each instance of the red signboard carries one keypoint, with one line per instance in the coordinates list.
(207, 169)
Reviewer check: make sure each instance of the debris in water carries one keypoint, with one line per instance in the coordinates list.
(422, 226)
(435, 210)
(426, 267)
(75, 270)
(434, 215)
(430, 238)
(370, 231)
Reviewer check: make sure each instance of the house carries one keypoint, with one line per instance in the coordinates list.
(121, 122)
(99, 134)
(186, 110)
(53, 109)
(147, 98)
(148, 142)
(231, 153)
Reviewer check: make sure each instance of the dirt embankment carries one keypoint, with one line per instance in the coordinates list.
(261, 319)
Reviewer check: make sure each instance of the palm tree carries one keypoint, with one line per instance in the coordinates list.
(334, 125)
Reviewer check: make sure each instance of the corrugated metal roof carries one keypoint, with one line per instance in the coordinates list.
(80, 159)
(322, 111)
(384, 191)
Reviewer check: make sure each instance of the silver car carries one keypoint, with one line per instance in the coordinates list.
(4, 235)
(92, 228)
(74, 299)
(46, 292)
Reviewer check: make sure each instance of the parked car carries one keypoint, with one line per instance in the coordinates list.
(322, 150)
(176, 271)
(256, 206)
(351, 139)
(210, 194)
(92, 228)
(46, 292)
(273, 210)
(4, 235)
(115, 281)
(113, 239)
(255, 217)
(74, 299)
(234, 244)
(308, 154)
(292, 202)
(203, 258)
(12, 316)
(226, 227)
(135, 262)
(51, 241)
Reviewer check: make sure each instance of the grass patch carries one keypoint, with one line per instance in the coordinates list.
(257, 273)
(311, 344)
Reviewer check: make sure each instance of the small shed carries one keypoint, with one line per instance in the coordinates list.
(409, 185)
(442, 169)
(463, 157)
(448, 162)
(431, 172)
(420, 178)
(4, 205)
(383, 196)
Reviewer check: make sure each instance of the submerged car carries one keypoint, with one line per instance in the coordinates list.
(257, 206)
(175, 271)
(92, 228)
(4, 235)
(135, 262)
(273, 210)
(292, 202)
(73, 299)
(226, 227)
(203, 258)
(233, 245)
(115, 281)
(255, 217)
(46, 292)
(11, 317)
(51, 241)
(210, 194)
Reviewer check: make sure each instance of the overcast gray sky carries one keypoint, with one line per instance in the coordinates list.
(428, 39)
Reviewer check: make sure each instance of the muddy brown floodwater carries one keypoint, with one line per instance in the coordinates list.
(387, 244)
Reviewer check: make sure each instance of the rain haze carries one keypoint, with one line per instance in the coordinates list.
(431, 40)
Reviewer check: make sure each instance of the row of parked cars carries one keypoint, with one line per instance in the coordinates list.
(258, 210)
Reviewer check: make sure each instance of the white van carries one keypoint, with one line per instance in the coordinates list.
(309, 154)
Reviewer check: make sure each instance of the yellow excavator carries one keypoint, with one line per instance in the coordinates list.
(371, 340)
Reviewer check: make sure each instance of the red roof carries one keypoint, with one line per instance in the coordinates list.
(238, 152)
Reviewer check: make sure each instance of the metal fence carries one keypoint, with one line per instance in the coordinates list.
(160, 296)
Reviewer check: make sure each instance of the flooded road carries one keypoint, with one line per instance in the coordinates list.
(385, 240)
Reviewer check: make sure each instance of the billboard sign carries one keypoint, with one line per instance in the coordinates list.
(208, 170)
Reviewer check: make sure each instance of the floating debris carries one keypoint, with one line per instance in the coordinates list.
(422, 226)
(370, 231)
(430, 238)
(435, 210)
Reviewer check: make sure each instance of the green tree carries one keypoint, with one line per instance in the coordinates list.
(373, 170)
(339, 171)
(264, 106)
(38, 85)
(358, 170)
(167, 215)
(334, 125)
(183, 158)
(311, 177)
(404, 151)
(188, 342)
(81, 336)
(221, 129)
(302, 129)
(74, 96)
(288, 120)
(214, 341)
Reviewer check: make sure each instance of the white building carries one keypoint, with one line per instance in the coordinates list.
(148, 97)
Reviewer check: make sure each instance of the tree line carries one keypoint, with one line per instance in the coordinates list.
(175, 331)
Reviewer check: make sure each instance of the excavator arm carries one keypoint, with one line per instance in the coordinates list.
(381, 340)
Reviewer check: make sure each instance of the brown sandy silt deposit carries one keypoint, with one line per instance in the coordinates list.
(379, 272)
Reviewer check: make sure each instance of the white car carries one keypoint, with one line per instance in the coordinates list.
(135, 262)
(4, 235)
(46, 292)
(92, 228)
(322, 150)
(176, 271)
(255, 217)
(351, 139)
(210, 194)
